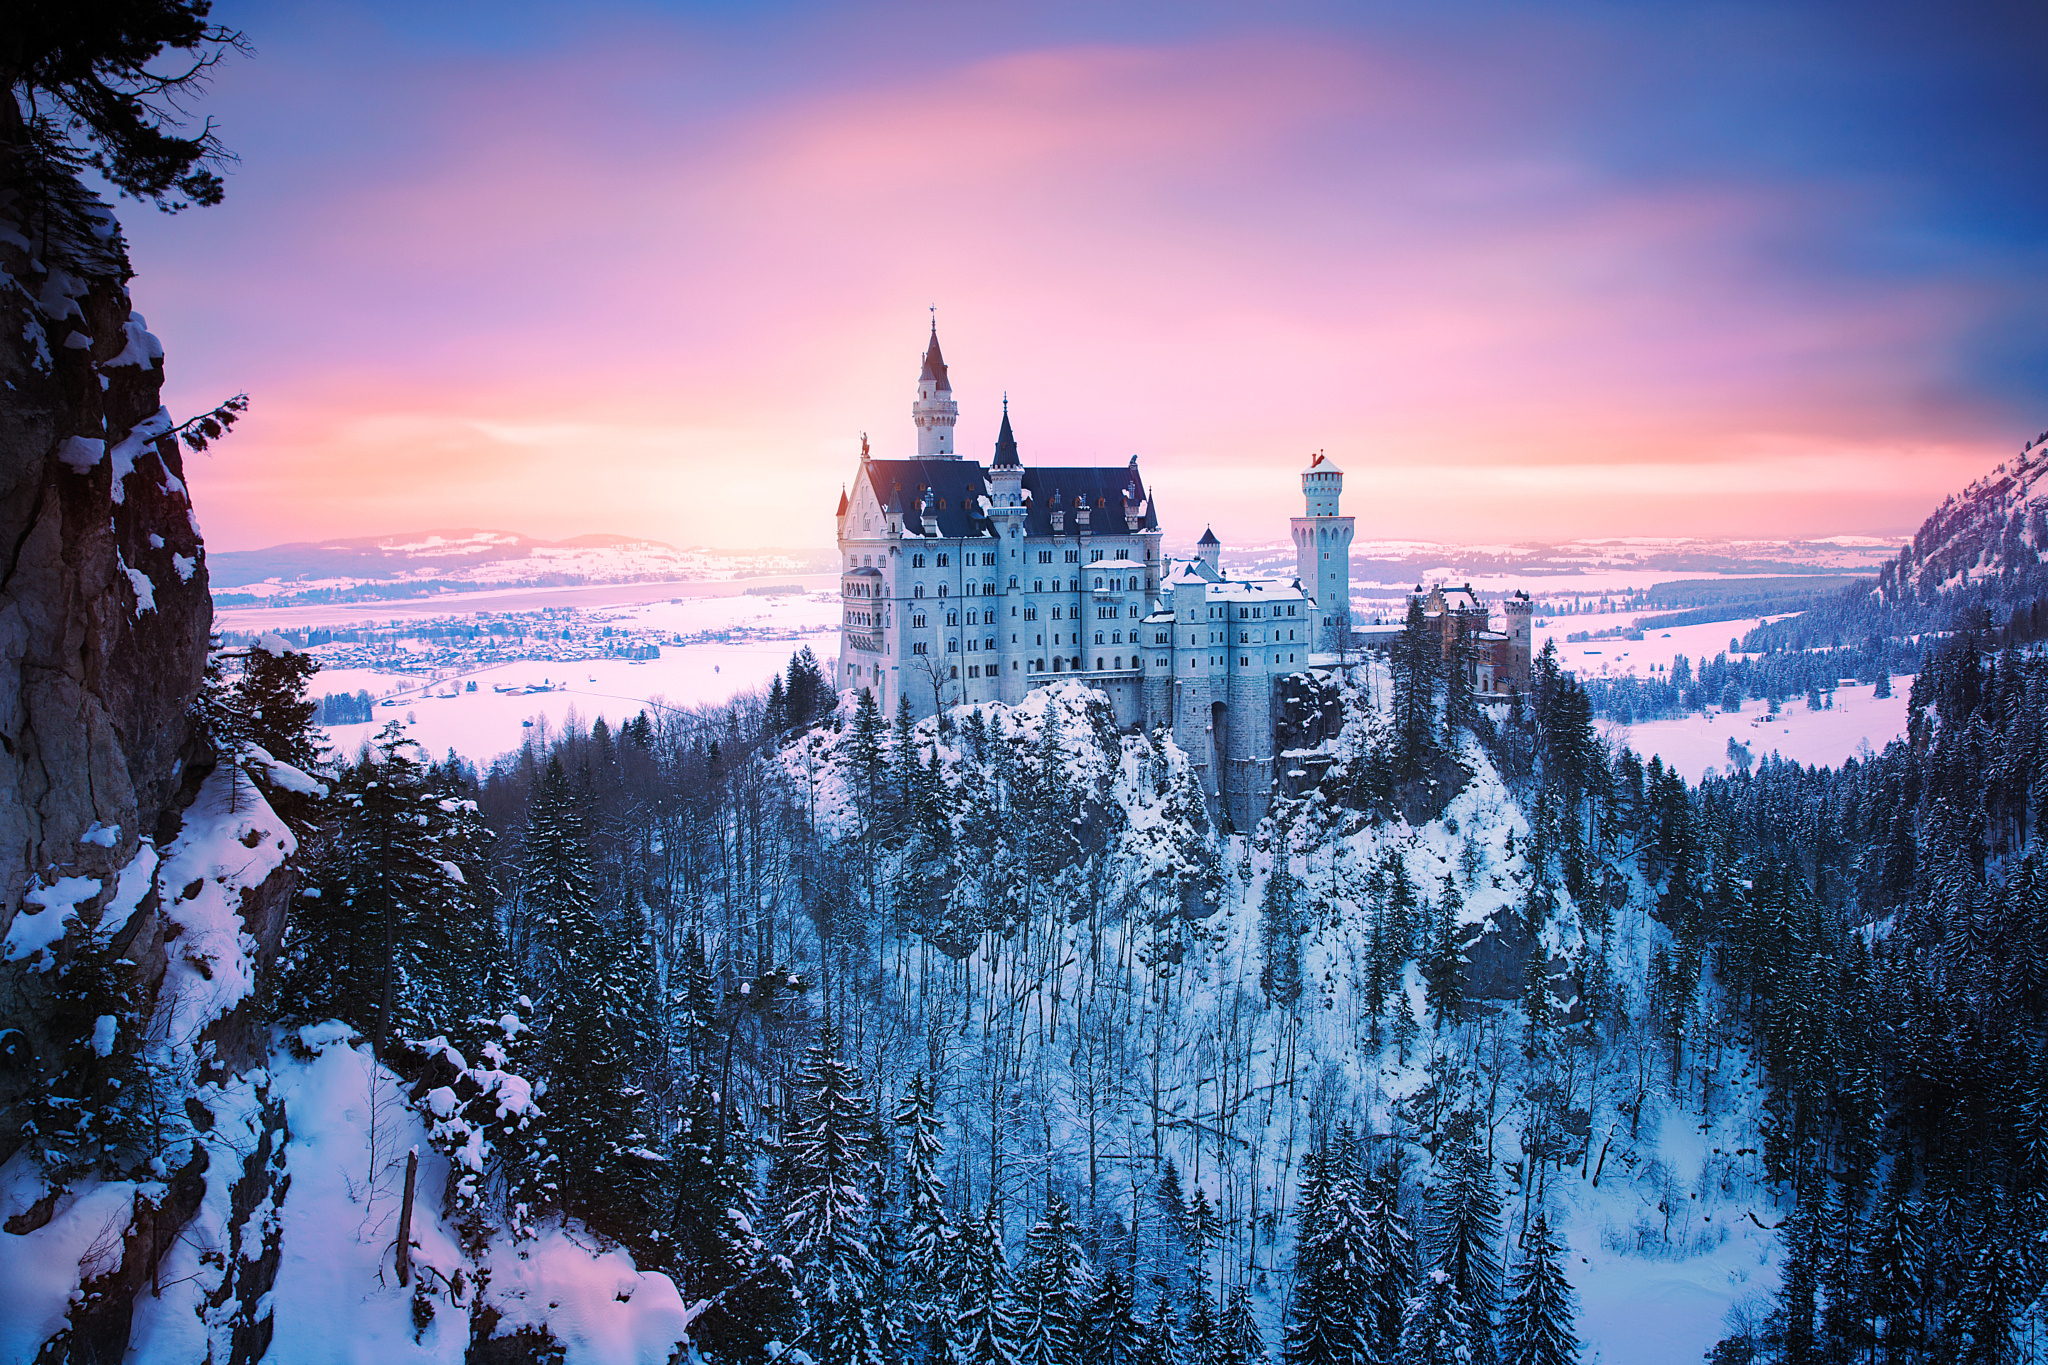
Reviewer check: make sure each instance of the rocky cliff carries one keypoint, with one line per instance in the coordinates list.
(104, 611)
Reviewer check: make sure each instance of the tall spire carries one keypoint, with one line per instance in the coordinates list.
(935, 363)
(1006, 442)
(934, 412)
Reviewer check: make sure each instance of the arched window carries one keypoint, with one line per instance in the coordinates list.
(917, 591)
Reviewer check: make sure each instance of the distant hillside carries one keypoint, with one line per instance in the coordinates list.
(419, 562)
(1997, 527)
(1974, 563)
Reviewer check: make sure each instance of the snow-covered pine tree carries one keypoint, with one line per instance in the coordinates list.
(1162, 1335)
(1280, 937)
(1436, 1330)
(1113, 1335)
(1238, 1339)
(1052, 1290)
(393, 934)
(984, 1326)
(717, 1256)
(1199, 1344)
(825, 1223)
(1328, 1312)
(1536, 1325)
(1390, 1244)
(1465, 1227)
(927, 1234)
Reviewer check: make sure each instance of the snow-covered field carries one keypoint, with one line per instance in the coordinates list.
(482, 724)
(1859, 721)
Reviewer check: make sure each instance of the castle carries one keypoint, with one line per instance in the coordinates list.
(963, 584)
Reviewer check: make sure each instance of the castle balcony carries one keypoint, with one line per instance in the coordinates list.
(872, 644)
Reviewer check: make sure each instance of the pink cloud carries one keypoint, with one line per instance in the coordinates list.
(1218, 257)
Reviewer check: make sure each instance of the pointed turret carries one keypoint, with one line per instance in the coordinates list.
(934, 412)
(935, 364)
(1006, 441)
(1209, 551)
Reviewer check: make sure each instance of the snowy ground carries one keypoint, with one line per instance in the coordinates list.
(1699, 742)
(482, 724)
(1632, 658)
(1858, 722)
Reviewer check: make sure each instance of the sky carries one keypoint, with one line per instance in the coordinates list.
(1526, 271)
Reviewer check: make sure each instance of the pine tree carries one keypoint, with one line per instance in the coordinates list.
(1162, 1335)
(1199, 1345)
(1536, 1328)
(1328, 1314)
(1437, 1329)
(1443, 962)
(927, 1234)
(1238, 1341)
(984, 1327)
(1113, 1335)
(1280, 937)
(1390, 1247)
(1465, 1226)
(1052, 1290)
(825, 1229)
(394, 934)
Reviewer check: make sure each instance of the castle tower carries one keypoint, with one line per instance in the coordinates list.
(934, 411)
(1007, 514)
(1322, 551)
(1209, 552)
(1520, 613)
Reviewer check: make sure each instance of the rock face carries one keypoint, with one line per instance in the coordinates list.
(104, 609)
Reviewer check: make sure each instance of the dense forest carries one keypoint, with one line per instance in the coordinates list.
(972, 1039)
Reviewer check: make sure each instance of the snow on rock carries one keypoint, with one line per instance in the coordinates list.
(145, 590)
(81, 453)
(140, 438)
(141, 350)
(351, 1128)
(41, 1273)
(600, 1308)
(35, 932)
(231, 842)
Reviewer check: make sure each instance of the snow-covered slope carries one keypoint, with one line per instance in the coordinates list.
(1155, 1027)
(1997, 525)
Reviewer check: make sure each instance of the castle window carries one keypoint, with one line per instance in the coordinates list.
(1055, 613)
(1134, 612)
(1098, 585)
(1116, 637)
(917, 621)
(1045, 556)
(952, 618)
(917, 591)
(1013, 580)
(1030, 613)
(973, 670)
(1119, 661)
(952, 646)
(942, 586)
(943, 561)
(920, 648)
(956, 670)
(1098, 640)
(1098, 661)
(1094, 555)
(1073, 556)
(989, 643)
(917, 561)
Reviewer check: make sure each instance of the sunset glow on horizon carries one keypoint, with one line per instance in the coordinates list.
(1605, 271)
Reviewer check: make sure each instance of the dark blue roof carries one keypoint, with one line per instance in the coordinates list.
(1103, 489)
(952, 489)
